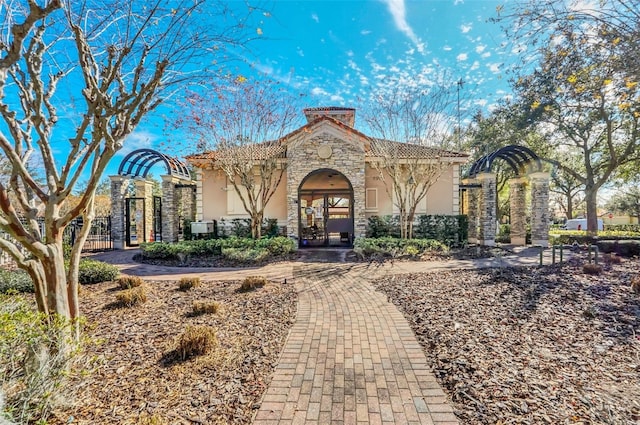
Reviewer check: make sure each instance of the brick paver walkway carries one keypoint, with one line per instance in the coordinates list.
(350, 358)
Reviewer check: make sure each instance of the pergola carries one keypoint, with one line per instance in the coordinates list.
(156, 220)
(480, 185)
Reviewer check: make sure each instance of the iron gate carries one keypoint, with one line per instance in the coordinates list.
(135, 221)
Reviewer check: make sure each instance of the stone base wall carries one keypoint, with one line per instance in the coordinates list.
(326, 151)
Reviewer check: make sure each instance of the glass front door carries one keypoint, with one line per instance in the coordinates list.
(326, 218)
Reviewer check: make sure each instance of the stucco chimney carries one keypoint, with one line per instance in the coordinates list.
(345, 115)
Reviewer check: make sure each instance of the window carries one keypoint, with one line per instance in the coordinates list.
(371, 199)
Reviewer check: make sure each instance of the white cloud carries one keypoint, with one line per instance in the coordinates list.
(317, 91)
(486, 55)
(480, 48)
(337, 98)
(365, 32)
(475, 66)
(447, 48)
(314, 16)
(377, 68)
(462, 57)
(480, 102)
(300, 52)
(465, 28)
(350, 53)
(457, 2)
(398, 12)
(494, 67)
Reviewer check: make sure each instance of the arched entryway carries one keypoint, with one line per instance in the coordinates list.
(140, 216)
(480, 185)
(325, 210)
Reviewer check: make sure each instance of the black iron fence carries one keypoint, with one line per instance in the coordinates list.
(99, 238)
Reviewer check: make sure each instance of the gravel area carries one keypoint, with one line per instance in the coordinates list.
(137, 379)
(548, 345)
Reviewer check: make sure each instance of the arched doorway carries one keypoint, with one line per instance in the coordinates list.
(325, 210)
(138, 215)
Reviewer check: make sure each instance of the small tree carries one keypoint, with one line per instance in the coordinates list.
(410, 128)
(243, 121)
(114, 62)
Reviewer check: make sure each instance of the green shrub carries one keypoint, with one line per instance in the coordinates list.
(32, 372)
(16, 280)
(92, 271)
(241, 227)
(251, 255)
(394, 247)
(270, 227)
(449, 229)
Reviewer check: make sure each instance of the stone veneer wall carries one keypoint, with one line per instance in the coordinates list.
(539, 209)
(487, 208)
(517, 205)
(144, 189)
(347, 157)
(119, 186)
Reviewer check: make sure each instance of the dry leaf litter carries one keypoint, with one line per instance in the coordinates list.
(137, 378)
(548, 345)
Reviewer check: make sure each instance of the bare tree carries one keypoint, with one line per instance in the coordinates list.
(410, 127)
(243, 121)
(113, 62)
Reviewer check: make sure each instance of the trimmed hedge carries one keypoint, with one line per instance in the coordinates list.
(229, 248)
(395, 247)
(451, 230)
(17, 280)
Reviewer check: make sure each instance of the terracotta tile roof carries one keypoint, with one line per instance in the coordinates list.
(372, 147)
(380, 147)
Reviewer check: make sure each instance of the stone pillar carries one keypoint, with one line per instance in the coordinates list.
(539, 209)
(144, 190)
(119, 185)
(517, 202)
(472, 210)
(169, 210)
(487, 209)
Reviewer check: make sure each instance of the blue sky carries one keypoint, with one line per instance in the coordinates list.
(336, 52)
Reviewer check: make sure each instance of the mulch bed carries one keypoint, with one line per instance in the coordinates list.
(548, 345)
(137, 379)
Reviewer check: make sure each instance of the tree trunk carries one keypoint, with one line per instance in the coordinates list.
(569, 207)
(591, 196)
(256, 225)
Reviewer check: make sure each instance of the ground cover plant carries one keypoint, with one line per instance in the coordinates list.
(544, 345)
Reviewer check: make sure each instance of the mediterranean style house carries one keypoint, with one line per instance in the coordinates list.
(332, 181)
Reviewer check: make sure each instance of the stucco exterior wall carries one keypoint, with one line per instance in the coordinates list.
(442, 198)
(219, 199)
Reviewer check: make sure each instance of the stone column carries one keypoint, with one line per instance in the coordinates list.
(472, 209)
(119, 185)
(487, 209)
(169, 210)
(144, 189)
(539, 209)
(517, 202)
